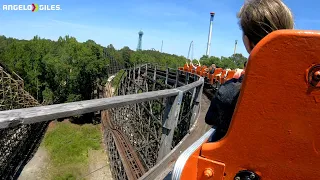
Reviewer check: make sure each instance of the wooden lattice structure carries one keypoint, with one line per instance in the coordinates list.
(153, 110)
(18, 143)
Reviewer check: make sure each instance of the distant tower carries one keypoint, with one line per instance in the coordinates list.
(210, 33)
(190, 50)
(235, 47)
(140, 41)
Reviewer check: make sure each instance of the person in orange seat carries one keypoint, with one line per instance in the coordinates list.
(238, 73)
(257, 18)
(213, 67)
(194, 66)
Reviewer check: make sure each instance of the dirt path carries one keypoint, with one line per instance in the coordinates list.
(99, 167)
(37, 167)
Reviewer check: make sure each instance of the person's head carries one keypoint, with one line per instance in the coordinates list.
(258, 18)
(213, 66)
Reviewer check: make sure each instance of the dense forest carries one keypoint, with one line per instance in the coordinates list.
(67, 70)
(232, 62)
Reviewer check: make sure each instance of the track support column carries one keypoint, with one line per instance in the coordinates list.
(169, 123)
(196, 98)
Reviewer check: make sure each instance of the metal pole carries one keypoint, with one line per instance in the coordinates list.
(235, 47)
(210, 33)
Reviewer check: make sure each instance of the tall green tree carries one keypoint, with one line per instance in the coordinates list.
(67, 70)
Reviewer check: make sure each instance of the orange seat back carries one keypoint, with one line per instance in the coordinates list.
(275, 129)
(198, 70)
(238, 73)
(213, 76)
(204, 74)
(203, 70)
(185, 67)
(230, 75)
(224, 72)
(223, 75)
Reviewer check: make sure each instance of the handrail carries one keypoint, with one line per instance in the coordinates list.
(31, 115)
(15, 117)
(191, 85)
(183, 158)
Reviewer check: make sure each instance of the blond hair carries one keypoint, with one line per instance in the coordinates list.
(258, 18)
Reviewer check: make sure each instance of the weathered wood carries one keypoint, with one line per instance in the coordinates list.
(161, 169)
(192, 85)
(45, 113)
(169, 80)
(177, 78)
(158, 83)
(154, 78)
(167, 74)
(163, 73)
(139, 72)
(187, 77)
(169, 123)
(196, 101)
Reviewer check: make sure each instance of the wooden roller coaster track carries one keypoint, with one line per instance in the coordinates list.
(130, 159)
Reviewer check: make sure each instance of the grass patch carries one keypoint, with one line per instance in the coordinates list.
(116, 80)
(68, 146)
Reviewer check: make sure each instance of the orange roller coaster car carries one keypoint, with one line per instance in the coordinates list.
(275, 130)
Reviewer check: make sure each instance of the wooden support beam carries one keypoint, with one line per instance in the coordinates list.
(169, 123)
(45, 113)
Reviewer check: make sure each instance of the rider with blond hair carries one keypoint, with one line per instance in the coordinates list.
(257, 18)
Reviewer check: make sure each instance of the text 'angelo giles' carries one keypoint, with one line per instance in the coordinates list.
(32, 7)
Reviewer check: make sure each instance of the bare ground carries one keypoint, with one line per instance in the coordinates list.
(99, 167)
(37, 167)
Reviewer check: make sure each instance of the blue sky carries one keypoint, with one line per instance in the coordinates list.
(117, 22)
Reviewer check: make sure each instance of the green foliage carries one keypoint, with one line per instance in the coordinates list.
(156, 57)
(126, 54)
(116, 80)
(68, 143)
(232, 62)
(66, 176)
(67, 70)
(68, 146)
(47, 95)
(55, 71)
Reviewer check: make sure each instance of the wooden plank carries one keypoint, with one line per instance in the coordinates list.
(187, 77)
(188, 87)
(158, 83)
(154, 78)
(161, 169)
(167, 74)
(45, 113)
(177, 78)
(196, 101)
(169, 123)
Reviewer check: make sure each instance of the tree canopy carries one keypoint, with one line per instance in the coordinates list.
(232, 62)
(67, 70)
